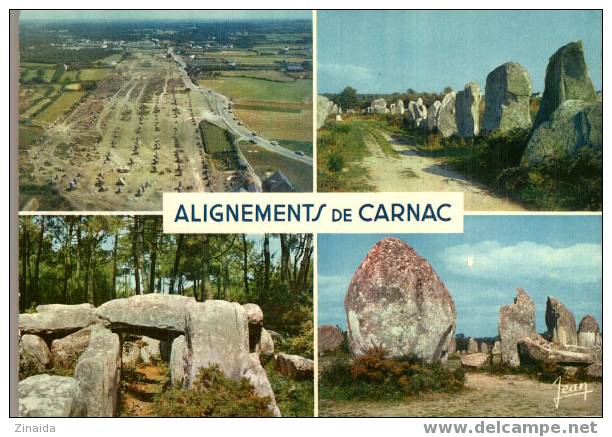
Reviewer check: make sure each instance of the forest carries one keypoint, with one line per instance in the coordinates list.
(75, 259)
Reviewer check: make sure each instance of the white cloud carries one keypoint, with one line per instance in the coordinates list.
(578, 263)
(353, 73)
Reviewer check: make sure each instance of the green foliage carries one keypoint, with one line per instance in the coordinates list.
(302, 343)
(212, 395)
(544, 372)
(293, 398)
(376, 376)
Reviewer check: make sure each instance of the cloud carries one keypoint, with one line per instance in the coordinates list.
(346, 72)
(578, 263)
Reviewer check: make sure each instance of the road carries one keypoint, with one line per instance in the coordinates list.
(221, 108)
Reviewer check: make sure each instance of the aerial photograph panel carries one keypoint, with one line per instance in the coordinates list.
(118, 107)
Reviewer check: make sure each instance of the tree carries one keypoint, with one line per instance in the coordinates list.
(348, 98)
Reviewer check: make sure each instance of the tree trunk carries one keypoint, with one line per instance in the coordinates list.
(136, 255)
(24, 266)
(115, 249)
(266, 254)
(141, 251)
(206, 291)
(177, 260)
(153, 256)
(35, 293)
(245, 264)
(305, 265)
(285, 254)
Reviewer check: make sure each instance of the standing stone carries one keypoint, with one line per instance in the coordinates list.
(452, 348)
(51, 396)
(468, 111)
(496, 353)
(447, 124)
(507, 95)
(515, 322)
(588, 330)
(397, 301)
(34, 355)
(392, 108)
(257, 377)
(484, 348)
(66, 351)
(561, 323)
(265, 347)
(98, 372)
(432, 115)
(324, 108)
(178, 362)
(399, 107)
(329, 339)
(379, 106)
(567, 78)
(472, 346)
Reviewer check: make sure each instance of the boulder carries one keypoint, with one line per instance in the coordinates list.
(452, 347)
(484, 348)
(395, 300)
(255, 318)
(588, 330)
(379, 106)
(217, 333)
(515, 322)
(467, 111)
(329, 339)
(561, 323)
(567, 78)
(57, 320)
(51, 396)
(178, 361)
(130, 353)
(149, 349)
(595, 370)
(536, 349)
(98, 372)
(265, 347)
(324, 108)
(34, 355)
(399, 107)
(256, 375)
(276, 336)
(475, 360)
(472, 346)
(447, 124)
(507, 96)
(496, 357)
(432, 115)
(295, 366)
(576, 125)
(66, 351)
(155, 315)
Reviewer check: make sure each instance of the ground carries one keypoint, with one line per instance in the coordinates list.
(484, 396)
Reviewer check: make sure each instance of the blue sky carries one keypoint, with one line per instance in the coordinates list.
(558, 256)
(384, 52)
(163, 15)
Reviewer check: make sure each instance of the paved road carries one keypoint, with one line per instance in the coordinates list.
(220, 105)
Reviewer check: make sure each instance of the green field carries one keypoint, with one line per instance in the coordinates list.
(266, 163)
(219, 146)
(59, 106)
(246, 88)
(273, 75)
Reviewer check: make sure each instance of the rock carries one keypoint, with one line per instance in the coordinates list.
(575, 126)
(51, 396)
(379, 106)
(149, 349)
(295, 366)
(277, 337)
(432, 115)
(399, 107)
(515, 322)
(595, 370)
(588, 330)
(217, 333)
(417, 112)
(255, 318)
(130, 353)
(452, 347)
(467, 107)
(155, 315)
(569, 371)
(472, 346)
(507, 95)
(66, 351)
(397, 301)
(178, 362)
(561, 323)
(447, 124)
(536, 349)
(265, 347)
(567, 78)
(484, 348)
(256, 375)
(496, 356)
(475, 360)
(34, 355)
(57, 320)
(324, 108)
(330, 338)
(98, 372)
(338, 117)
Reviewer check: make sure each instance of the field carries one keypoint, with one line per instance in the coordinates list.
(256, 89)
(266, 163)
(60, 105)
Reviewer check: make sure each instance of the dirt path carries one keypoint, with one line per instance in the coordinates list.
(138, 394)
(484, 396)
(410, 171)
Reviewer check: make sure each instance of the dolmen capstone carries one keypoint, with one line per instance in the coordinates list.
(395, 300)
(516, 321)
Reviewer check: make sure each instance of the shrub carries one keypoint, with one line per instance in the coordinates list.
(335, 162)
(293, 398)
(212, 395)
(376, 376)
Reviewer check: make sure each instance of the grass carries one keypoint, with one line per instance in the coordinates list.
(248, 88)
(293, 398)
(93, 74)
(266, 162)
(304, 146)
(292, 126)
(376, 376)
(272, 75)
(62, 104)
(340, 147)
(218, 143)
